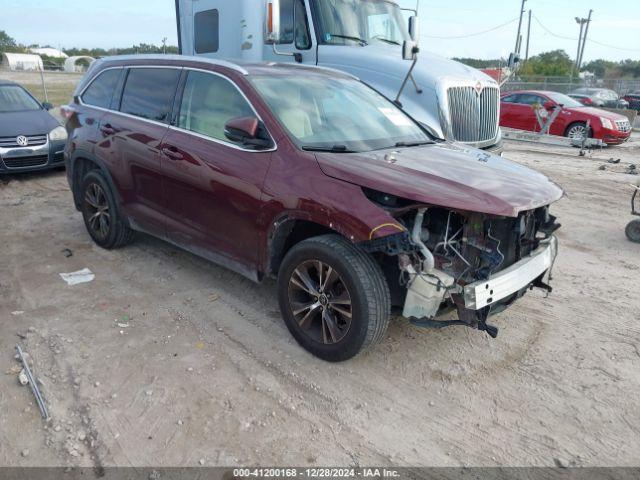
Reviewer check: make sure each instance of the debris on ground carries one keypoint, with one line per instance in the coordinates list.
(632, 170)
(32, 382)
(22, 378)
(17, 312)
(67, 253)
(81, 276)
(614, 160)
(602, 167)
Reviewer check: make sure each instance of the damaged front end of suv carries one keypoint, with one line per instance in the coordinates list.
(475, 263)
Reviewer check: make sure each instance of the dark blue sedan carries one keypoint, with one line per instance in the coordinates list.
(30, 138)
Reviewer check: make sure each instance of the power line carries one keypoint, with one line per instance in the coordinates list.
(573, 39)
(474, 34)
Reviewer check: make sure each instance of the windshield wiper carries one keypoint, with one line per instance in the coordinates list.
(355, 39)
(387, 40)
(413, 144)
(333, 149)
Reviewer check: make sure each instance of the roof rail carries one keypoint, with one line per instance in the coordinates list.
(178, 58)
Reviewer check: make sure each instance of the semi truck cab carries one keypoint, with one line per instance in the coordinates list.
(369, 39)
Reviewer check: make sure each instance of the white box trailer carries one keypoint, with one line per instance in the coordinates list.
(366, 38)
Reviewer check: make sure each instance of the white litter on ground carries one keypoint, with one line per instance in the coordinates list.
(81, 276)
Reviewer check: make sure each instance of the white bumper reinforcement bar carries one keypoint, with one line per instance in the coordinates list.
(516, 277)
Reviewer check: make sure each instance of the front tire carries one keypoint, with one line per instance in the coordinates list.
(101, 214)
(633, 231)
(578, 130)
(333, 297)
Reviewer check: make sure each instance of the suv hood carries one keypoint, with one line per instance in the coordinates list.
(446, 175)
(32, 122)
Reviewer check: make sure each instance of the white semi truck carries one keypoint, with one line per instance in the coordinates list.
(369, 39)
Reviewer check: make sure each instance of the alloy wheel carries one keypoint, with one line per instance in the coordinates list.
(320, 302)
(97, 205)
(577, 132)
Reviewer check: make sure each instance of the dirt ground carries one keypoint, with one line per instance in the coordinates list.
(167, 360)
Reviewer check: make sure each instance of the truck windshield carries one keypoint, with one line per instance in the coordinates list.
(15, 99)
(345, 22)
(337, 114)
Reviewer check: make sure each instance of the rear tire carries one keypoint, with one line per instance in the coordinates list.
(633, 231)
(333, 297)
(101, 213)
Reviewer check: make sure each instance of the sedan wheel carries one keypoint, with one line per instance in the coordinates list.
(577, 131)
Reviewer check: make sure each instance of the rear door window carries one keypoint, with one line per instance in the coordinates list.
(149, 93)
(208, 103)
(101, 90)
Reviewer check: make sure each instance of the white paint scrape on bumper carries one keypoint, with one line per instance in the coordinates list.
(512, 279)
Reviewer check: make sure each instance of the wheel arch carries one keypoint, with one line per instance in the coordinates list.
(82, 163)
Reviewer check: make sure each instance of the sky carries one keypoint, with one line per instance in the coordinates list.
(123, 23)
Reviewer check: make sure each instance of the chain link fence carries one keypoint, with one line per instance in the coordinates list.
(568, 84)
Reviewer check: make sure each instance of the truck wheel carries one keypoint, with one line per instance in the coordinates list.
(577, 130)
(101, 214)
(633, 231)
(333, 297)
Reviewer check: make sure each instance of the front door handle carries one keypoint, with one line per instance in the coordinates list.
(172, 153)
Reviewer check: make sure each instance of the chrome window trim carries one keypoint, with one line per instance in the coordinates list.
(174, 127)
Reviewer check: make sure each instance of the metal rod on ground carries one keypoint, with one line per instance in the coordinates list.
(44, 85)
(32, 383)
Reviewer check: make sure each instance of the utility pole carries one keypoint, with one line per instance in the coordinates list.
(576, 66)
(584, 41)
(528, 37)
(518, 37)
(164, 45)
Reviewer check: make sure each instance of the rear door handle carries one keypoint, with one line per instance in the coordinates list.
(172, 153)
(107, 129)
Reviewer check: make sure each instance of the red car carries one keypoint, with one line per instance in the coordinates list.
(309, 176)
(517, 110)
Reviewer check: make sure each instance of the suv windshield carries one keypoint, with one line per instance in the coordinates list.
(338, 114)
(15, 99)
(345, 22)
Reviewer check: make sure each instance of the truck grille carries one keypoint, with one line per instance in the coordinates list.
(25, 162)
(474, 118)
(34, 141)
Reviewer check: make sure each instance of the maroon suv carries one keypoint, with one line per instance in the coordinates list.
(310, 176)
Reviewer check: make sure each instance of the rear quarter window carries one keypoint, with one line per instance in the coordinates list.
(149, 93)
(102, 88)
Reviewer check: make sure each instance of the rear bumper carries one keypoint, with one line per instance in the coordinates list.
(512, 279)
(28, 159)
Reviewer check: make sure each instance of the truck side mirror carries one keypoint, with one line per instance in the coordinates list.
(273, 21)
(409, 50)
(414, 28)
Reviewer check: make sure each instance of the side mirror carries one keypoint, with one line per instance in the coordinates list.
(47, 106)
(414, 29)
(273, 21)
(514, 59)
(246, 131)
(409, 50)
